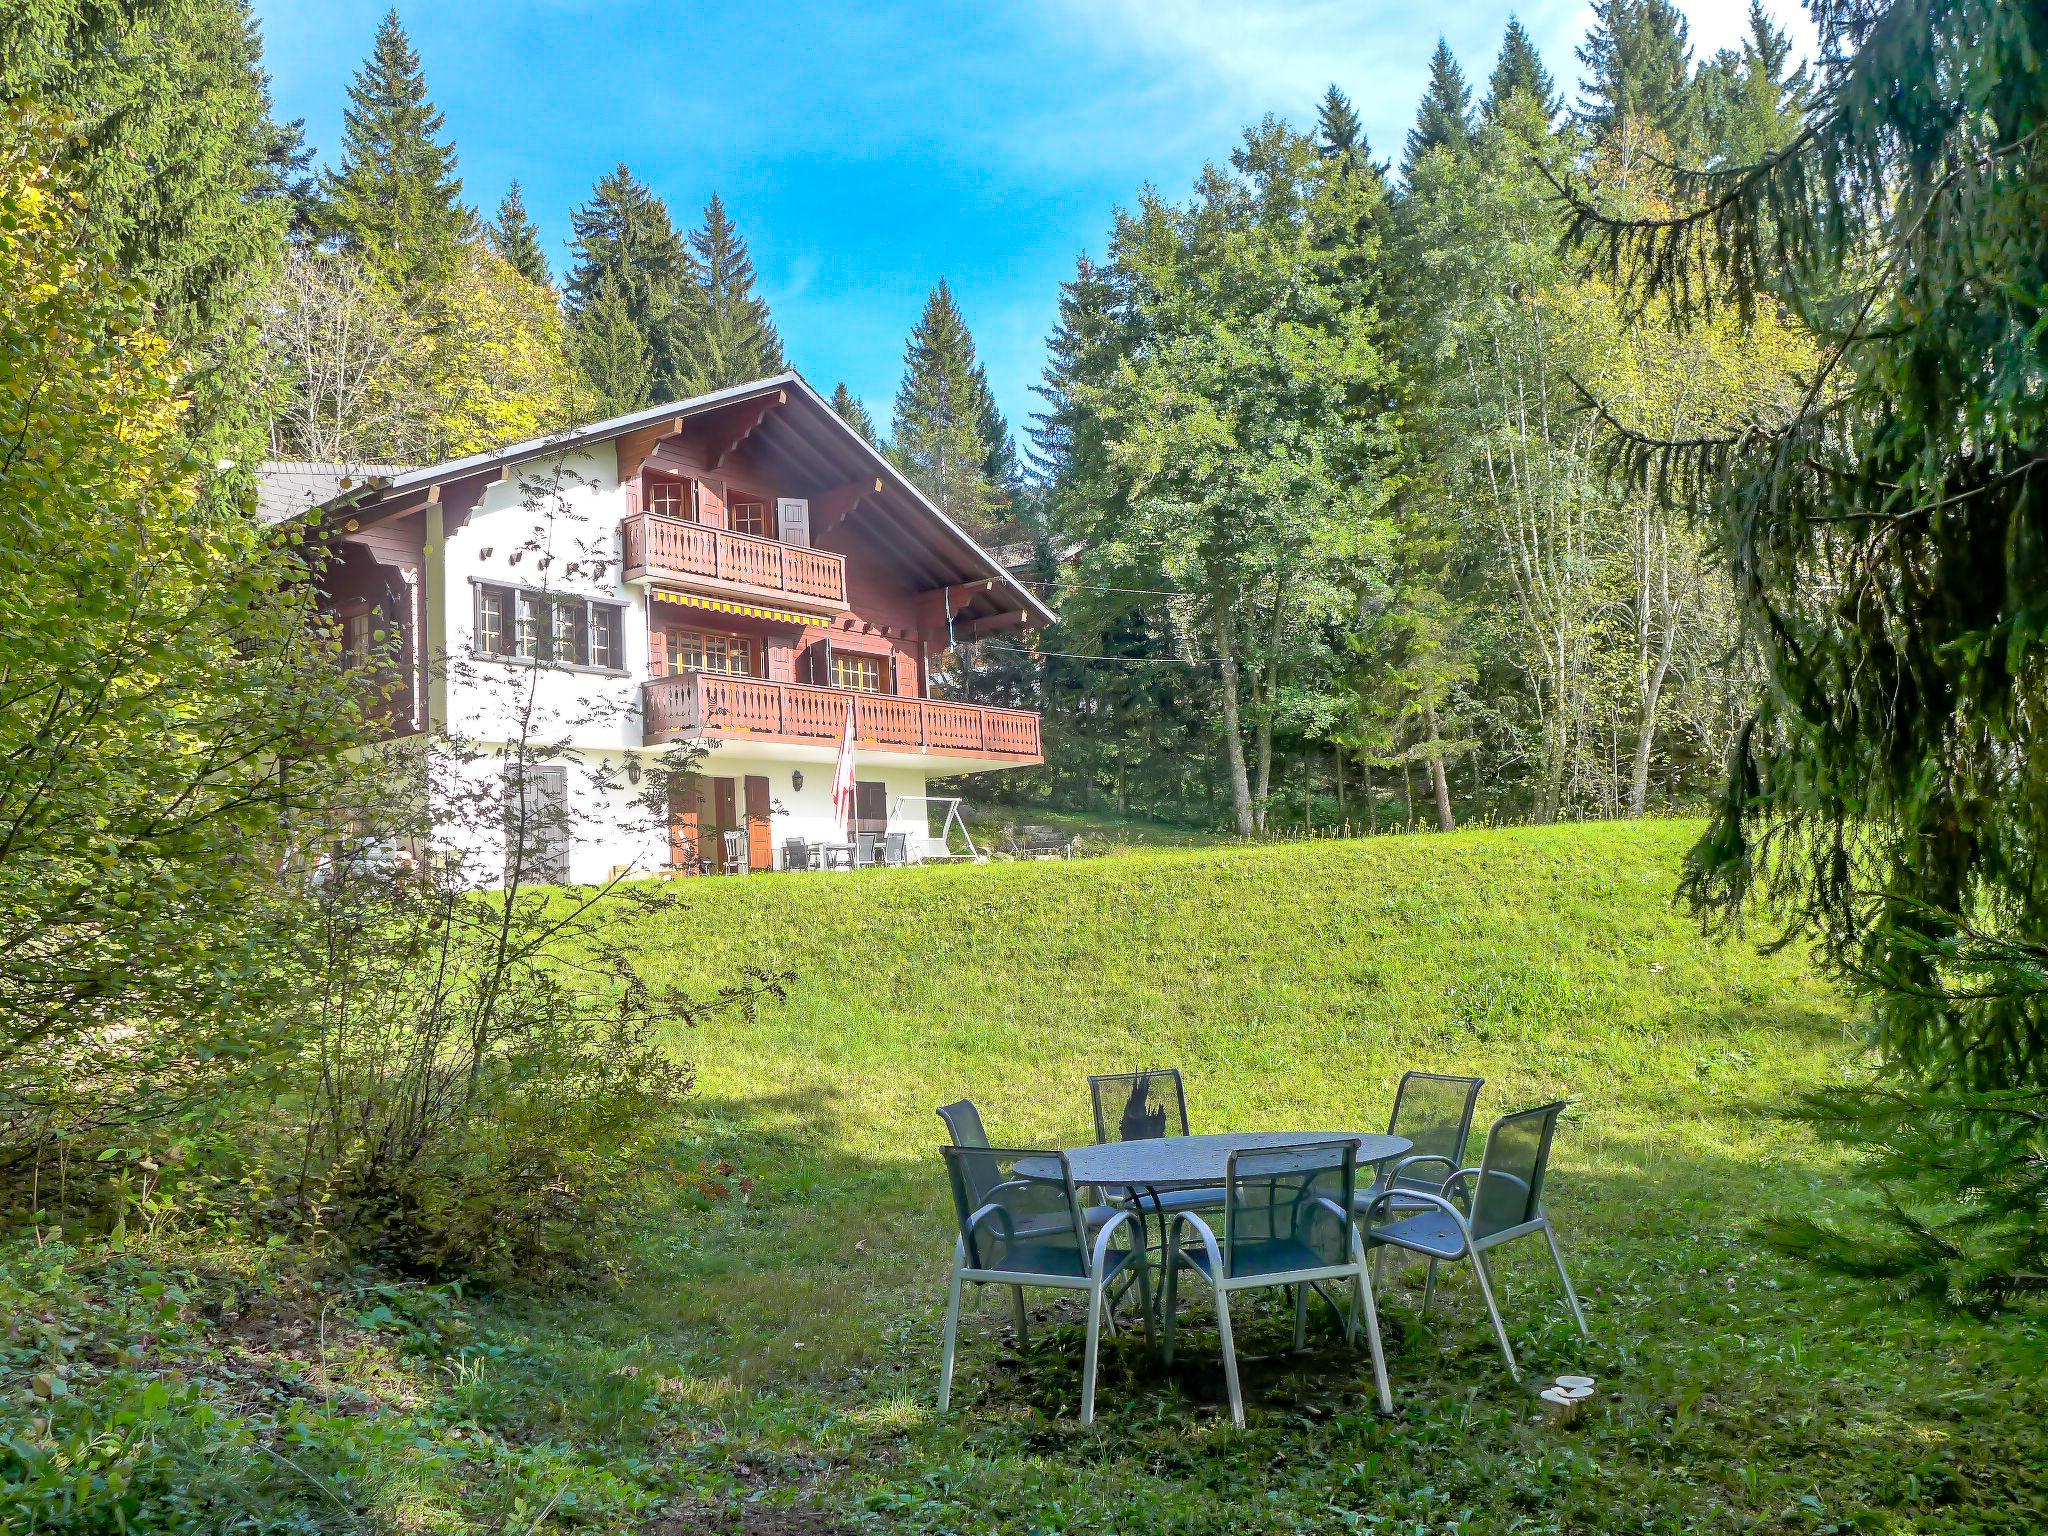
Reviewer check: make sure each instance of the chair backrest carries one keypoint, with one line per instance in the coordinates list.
(963, 1124)
(735, 843)
(1299, 1197)
(1435, 1113)
(1017, 1209)
(1139, 1106)
(796, 853)
(896, 849)
(1510, 1188)
(865, 844)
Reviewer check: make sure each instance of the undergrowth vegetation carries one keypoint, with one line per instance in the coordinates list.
(764, 1358)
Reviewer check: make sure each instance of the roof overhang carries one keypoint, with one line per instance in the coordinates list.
(787, 424)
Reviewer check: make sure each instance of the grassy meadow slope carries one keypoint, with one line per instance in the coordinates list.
(794, 1326)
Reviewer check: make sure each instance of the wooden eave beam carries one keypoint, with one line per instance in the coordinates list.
(992, 623)
(741, 427)
(633, 447)
(831, 508)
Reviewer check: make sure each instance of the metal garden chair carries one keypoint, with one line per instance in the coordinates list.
(1134, 1106)
(1021, 1224)
(896, 850)
(796, 854)
(735, 846)
(1504, 1202)
(1434, 1112)
(1286, 1221)
(867, 847)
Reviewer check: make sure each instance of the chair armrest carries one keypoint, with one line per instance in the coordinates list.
(1102, 1240)
(1202, 1230)
(1416, 1196)
(1410, 1161)
(1448, 1185)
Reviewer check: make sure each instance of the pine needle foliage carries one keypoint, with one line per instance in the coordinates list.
(1888, 540)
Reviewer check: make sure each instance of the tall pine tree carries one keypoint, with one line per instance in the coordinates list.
(731, 338)
(629, 255)
(395, 199)
(1445, 117)
(514, 238)
(853, 413)
(939, 435)
(1519, 70)
(1752, 99)
(1340, 135)
(1639, 66)
(609, 352)
(183, 176)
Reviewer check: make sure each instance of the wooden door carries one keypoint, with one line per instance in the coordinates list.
(686, 849)
(760, 842)
(870, 806)
(725, 817)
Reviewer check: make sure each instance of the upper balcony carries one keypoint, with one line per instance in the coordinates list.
(732, 564)
(710, 706)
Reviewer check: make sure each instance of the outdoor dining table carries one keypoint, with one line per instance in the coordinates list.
(837, 853)
(1152, 1164)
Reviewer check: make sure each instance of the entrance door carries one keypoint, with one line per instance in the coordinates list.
(725, 817)
(536, 824)
(760, 842)
(870, 806)
(686, 849)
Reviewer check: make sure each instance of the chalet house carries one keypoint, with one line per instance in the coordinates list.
(739, 573)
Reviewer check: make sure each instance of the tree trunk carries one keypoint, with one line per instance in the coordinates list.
(1308, 795)
(1444, 823)
(1233, 745)
(1372, 811)
(1407, 795)
(1337, 764)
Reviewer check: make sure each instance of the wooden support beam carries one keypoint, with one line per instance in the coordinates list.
(735, 430)
(833, 507)
(633, 447)
(990, 623)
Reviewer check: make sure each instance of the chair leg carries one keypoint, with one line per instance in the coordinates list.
(1091, 1353)
(1145, 1294)
(1168, 1309)
(1429, 1288)
(1372, 1341)
(1301, 1317)
(1499, 1330)
(1379, 1266)
(952, 1342)
(1017, 1311)
(1229, 1357)
(1570, 1295)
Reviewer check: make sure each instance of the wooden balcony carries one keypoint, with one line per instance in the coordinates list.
(711, 706)
(731, 564)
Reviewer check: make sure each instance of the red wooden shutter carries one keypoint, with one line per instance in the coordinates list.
(657, 652)
(685, 845)
(760, 843)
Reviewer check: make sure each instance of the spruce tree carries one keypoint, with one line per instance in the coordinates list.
(939, 434)
(609, 352)
(1752, 99)
(625, 247)
(853, 413)
(395, 199)
(731, 338)
(514, 238)
(1888, 798)
(1639, 65)
(1339, 133)
(1519, 70)
(1445, 117)
(183, 176)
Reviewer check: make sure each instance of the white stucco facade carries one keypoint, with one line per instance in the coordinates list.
(554, 526)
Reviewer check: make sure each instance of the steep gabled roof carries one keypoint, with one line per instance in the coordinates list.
(804, 434)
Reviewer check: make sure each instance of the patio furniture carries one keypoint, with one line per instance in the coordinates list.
(1504, 1202)
(896, 850)
(835, 855)
(963, 1124)
(1287, 1220)
(735, 846)
(1018, 1228)
(1434, 1112)
(1138, 1106)
(865, 845)
(798, 854)
(1040, 843)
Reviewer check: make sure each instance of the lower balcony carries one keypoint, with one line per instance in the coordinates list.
(710, 706)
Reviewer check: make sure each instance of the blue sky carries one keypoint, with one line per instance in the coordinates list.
(866, 151)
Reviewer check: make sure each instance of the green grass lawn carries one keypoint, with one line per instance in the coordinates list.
(770, 1360)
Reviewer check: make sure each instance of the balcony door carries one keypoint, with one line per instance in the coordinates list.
(760, 835)
(870, 806)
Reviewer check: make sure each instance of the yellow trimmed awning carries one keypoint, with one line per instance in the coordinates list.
(743, 610)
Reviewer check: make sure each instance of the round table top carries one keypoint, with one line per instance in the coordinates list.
(1170, 1162)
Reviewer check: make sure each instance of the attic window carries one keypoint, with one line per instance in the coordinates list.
(670, 498)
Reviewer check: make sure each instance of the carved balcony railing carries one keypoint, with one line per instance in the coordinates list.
(661, 548)
(711, 706)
